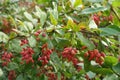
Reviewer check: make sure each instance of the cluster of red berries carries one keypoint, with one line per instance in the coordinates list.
(6, 57)
(11, 75)
(98, 19)
(27, 55)
(95, 55)
(69, 53)
(45, 54)
(37, 33)
(51, 76)
(23, 41)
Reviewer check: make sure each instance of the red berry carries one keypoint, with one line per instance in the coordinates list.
(36, 33)
(43, 35)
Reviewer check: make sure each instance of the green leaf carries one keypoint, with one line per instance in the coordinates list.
(99, 70)
(3, 37)
(1, 72)
(91, 74)
(14, 45)
(43, 77)
(109, 31)
(61, 40)
(77, 3)
(116, 3)
(56, 61)
(85, 41)
(50, 44)
(111, 77)
(42, 1)
(28, 16)
(92, 10)
(59, 76)
(53, 20)
(50, 28)
(13, 66)
(116, 68)
(41, 14)
(110, 61)
(115, 27)
(29, 25)
(93, 1)
(20, 77)
(32, 41)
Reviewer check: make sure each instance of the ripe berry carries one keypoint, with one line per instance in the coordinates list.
(95, 55)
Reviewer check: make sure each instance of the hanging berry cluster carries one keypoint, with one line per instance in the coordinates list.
(51, 76)
(6, 57)
(27, 55)
(69, 53)
(11, 75)
(45, 54)
(95, 55)
(98, 19)
(23, 41)
(40, 34)
(37, 33)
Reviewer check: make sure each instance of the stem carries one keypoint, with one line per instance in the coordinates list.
(115, 12)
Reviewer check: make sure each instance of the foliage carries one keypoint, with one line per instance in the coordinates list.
(59, 40)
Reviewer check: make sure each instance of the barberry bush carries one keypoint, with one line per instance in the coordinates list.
(59, 40)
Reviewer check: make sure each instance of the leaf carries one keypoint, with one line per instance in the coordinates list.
(50, 44)
(56, 61)
(92, 10)
(72, 26)
(61, 40)
(93, 1)
(54, 12)
(13, 66)
(50, 28)
(116, 68)
(92, 24)
(99, 70)
(53, 20)
(41, 14)
(59, 76)
(20, 77)
(116, 3)
(91, 74)
(85, 41)
(28, 16)
(3, 37)
(77, 3)
(1, 72)
(42, 1)
(109, 31)
(115, 27)
(43, 77)
(111, 77)
(110, 61)
(32, 41)
(29, 25)
(14, 45)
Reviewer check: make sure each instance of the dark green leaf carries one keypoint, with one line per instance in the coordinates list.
(85, 41)
(116, 68)
(20, 77)
(111, 77)
(92, 10)
(109, 31)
